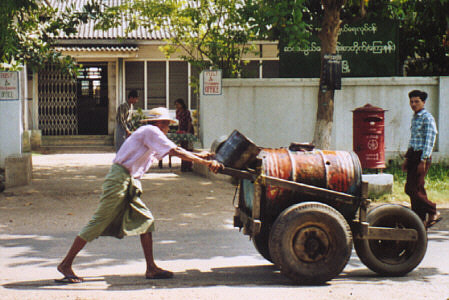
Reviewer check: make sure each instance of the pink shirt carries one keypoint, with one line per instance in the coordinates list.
(141, 148)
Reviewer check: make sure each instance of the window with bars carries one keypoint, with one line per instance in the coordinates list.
(156, 88)
(156, 84)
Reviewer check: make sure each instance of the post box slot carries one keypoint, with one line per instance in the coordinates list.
(373, 119)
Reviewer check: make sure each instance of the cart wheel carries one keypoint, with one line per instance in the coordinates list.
(260, 242)
(393, 258)
(311, 242)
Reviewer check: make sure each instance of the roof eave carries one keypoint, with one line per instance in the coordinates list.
(111, 42)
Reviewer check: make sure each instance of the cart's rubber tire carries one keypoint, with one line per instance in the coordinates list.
(260, 242)
(393, 258)
(310, 242)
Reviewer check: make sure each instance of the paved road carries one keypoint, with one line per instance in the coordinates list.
(194, 238)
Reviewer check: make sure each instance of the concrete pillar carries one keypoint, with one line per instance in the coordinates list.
(443, 112)
(26, 143)
(36, 139)
(11, 117)
(121, 79)
(36, 134)
(112, 95)
(35, 106)
(26, 146)
(18, 170)
(378, 184)
(24, 100)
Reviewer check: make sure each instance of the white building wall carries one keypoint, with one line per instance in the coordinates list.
(443, 117)
(11, 123)
(276, 112)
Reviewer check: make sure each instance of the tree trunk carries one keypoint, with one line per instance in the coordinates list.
(325, 110)
(324, 120)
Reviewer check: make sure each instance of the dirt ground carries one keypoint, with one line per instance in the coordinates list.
(194, 238)
(69, 185)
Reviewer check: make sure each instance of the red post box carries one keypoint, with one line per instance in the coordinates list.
(368, 136)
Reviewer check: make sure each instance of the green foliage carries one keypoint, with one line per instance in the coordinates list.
(425, 34)
(27, 29)
(386, 9)
(218, 33)
(283, 21)
(207, 34)
(424, 26)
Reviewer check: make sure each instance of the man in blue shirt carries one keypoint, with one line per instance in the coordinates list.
(418, 159)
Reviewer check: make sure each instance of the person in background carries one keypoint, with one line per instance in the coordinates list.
(121, 212)
(184, 126)
(418, 159)
(123, 119)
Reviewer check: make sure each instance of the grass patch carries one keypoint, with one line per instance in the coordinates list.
(437, 184)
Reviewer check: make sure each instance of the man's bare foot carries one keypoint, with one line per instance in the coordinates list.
(158, 273)
(69, 275)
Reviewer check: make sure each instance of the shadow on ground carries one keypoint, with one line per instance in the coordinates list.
(241, 276)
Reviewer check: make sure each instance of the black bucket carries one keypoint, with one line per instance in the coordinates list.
(237, 151)
(217, 143)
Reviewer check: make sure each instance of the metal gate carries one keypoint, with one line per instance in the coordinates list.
(57, 102)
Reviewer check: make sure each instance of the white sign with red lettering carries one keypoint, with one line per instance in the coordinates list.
(212, 82)
(9, 86)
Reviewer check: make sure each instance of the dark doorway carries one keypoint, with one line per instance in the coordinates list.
(92, 92)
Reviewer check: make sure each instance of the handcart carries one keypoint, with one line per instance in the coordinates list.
(305, 208)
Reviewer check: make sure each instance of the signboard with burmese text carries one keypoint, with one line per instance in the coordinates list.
(368, 49)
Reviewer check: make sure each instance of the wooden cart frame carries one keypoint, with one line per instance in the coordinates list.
(379, 239)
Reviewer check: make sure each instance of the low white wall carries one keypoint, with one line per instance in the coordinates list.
(11, 130)
(276, 112)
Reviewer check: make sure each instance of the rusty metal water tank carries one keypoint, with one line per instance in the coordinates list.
(335, 170)
(368, 136)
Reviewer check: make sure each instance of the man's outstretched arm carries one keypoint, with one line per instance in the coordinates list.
(213, 165)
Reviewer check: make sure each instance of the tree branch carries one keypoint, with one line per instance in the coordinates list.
(360, 16)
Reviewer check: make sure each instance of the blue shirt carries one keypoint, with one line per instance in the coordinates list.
(423, 133)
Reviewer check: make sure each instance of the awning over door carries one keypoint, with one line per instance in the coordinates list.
(99, 51)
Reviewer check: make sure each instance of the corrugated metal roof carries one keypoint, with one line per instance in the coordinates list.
(98, 48)
(87, 31)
